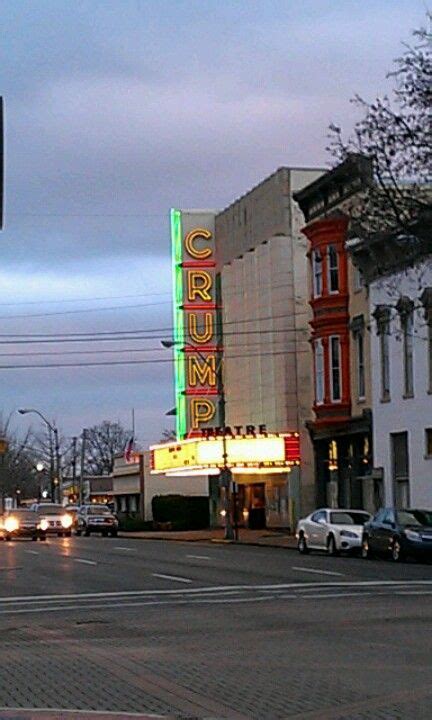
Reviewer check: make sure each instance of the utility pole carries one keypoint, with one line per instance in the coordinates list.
(83, 450)
(74, 448)
(58, 466)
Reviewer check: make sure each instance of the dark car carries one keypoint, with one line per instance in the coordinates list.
(96, 518)
(399, 533)
(21, 522)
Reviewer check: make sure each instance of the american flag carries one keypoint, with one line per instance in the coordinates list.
(128, 450)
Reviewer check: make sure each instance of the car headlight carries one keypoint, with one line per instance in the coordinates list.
(412, 535)
(11, 524)
(348, 533)
(43, 524)
(66, 521)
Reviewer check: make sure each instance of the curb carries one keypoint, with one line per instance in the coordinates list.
(216, 541)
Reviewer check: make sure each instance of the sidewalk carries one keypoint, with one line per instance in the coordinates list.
(265, 538)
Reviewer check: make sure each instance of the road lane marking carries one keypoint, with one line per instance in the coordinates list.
(199, 557)
(14, 567)
(32, 552)
(172, 577)
(320, 596)
(304, 586)
(85, 562)
(317, 572)
(87, 713)
(125, 549)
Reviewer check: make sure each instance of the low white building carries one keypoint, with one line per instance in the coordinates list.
(399, 274)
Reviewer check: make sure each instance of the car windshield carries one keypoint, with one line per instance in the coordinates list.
(23, 514)
(406, 517)
(51, 509)
(415, 517)
(99, 510)
(348, 518)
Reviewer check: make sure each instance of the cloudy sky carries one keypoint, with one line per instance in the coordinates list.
(117, 110)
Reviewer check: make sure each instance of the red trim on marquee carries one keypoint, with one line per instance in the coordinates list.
(204, 391)
(198, 264)
(205, 306)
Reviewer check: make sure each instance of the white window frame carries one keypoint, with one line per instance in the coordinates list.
(317, 277)
(408, 353)
(358, 279)
(332, 268)
(331, 338)
(319, 372)
(384, 359)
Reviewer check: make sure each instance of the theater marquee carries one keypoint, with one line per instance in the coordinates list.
(245, 454)
(197, 346)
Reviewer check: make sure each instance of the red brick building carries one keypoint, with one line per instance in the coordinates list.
(342, 441)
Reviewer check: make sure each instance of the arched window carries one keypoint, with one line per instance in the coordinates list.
(317, 273)
(332, 269)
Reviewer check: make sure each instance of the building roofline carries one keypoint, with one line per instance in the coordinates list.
(266, 179)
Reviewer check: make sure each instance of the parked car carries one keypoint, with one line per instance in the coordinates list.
(333, 530)
(22, 522)
(96, 518)
(57, 520)
(399, 533)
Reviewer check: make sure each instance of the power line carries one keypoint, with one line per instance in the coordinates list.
(105, 351)
(123, 363)
(84, 310)
(82, 299)
(140, 331)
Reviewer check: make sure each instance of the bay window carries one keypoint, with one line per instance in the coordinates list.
(332, 269)
(335, 369)
(319, 372)
(317, 273)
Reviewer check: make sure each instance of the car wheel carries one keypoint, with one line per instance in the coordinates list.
(42, 538)
(104, 533)
(396, 550)
(365, 550)
(87, 532)
(8, 538)
(331, 546)
(34, 538)
(78, 533)
(302, 545)
(114, 533)
(68, 534)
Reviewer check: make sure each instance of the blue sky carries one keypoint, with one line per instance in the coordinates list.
(118, 109)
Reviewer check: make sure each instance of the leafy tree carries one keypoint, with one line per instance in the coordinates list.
(395, 133)
(103, 443)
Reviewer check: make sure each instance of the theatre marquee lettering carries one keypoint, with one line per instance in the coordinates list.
(197, 350)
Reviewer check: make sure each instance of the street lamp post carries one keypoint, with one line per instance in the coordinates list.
(226, 474)
(58, 485)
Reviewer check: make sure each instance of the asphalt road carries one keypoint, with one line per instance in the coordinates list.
(195, 630)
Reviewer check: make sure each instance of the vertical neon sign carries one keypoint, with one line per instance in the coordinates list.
(179, 363)
(196, 346)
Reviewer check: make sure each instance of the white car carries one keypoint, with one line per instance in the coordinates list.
(54, 519)
(331, 529)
